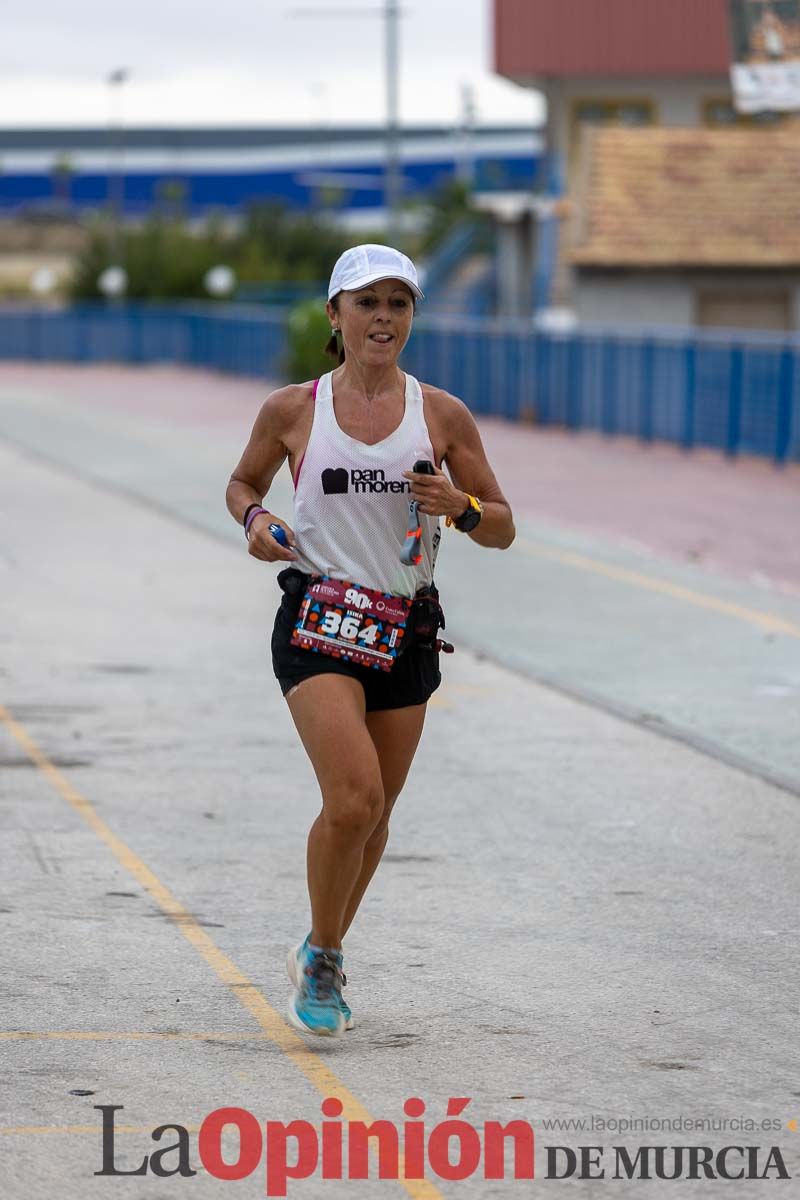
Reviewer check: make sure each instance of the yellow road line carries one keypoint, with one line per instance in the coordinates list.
(650, 583)
(276, 1029)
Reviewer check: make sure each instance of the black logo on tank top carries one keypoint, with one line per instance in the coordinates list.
(336, 482)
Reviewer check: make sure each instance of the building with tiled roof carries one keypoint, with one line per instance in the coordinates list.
(635, 72)
(687, 227)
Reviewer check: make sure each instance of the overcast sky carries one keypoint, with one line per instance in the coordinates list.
(248, 62)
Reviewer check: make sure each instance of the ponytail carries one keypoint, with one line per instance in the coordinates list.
(333, 350)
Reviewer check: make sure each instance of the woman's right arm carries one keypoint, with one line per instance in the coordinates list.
(251, 478)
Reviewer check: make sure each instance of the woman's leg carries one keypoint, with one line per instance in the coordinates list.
(329, 713)
(395, 734)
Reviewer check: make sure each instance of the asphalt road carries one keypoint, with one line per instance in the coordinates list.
(588, 905)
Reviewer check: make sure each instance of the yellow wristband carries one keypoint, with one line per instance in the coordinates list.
(474, 502)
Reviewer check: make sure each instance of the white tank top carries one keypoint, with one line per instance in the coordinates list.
(351, 500)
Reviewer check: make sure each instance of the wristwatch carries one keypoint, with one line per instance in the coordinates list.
(471, 516)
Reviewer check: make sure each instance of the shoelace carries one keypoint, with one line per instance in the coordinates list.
(323, 973)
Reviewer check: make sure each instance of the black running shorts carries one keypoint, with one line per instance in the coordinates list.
(413, 679)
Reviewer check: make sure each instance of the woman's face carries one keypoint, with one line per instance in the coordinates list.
(375, 321)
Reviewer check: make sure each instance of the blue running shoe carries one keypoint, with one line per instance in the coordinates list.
(294, 969)
(349, 1023)
(315, 1005)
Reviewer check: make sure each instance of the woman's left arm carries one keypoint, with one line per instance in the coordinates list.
(469, 473)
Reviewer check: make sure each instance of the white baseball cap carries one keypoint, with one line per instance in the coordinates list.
(363, 265)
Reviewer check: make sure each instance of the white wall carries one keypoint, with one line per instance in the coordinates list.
(629, 300)
(654, 299)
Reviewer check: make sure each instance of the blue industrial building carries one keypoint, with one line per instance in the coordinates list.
(200, 171)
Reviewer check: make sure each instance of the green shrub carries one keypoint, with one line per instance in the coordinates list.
(164, 260)
(167, 259)
(308, 332)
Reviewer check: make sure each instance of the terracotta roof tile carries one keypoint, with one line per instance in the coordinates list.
(688, 198)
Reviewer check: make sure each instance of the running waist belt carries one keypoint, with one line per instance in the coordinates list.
(351, 622)
(359, 624)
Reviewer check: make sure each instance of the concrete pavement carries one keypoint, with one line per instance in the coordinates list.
(576, 915)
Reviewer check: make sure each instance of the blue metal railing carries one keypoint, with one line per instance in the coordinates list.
(281, 295)
(733, 390)
(237, 338)
(460, 242)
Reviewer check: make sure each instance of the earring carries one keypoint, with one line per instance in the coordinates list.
(334, 331)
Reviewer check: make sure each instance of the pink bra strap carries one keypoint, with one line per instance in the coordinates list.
(300, 467)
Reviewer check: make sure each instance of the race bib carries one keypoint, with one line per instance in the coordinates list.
(351, 622)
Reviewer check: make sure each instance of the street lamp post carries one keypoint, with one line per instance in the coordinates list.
(393, 167)
(393, 175)
(116, 177)
(466, 159)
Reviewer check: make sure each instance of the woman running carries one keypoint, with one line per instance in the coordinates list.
(354, 645)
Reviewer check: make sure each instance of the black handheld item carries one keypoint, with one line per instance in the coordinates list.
(426, 617)
(410, 553)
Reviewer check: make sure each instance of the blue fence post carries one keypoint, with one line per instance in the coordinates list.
(690, 369)
(735, 391)
(82, 348)
(490, 375)
(136, 319)
(608, 398)
(195, 340)
(574, 382)
(526, 379)
(35, 333)
(509, 377)
(543, 348)
(648, 388)
(783, 439)
(503, 364)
